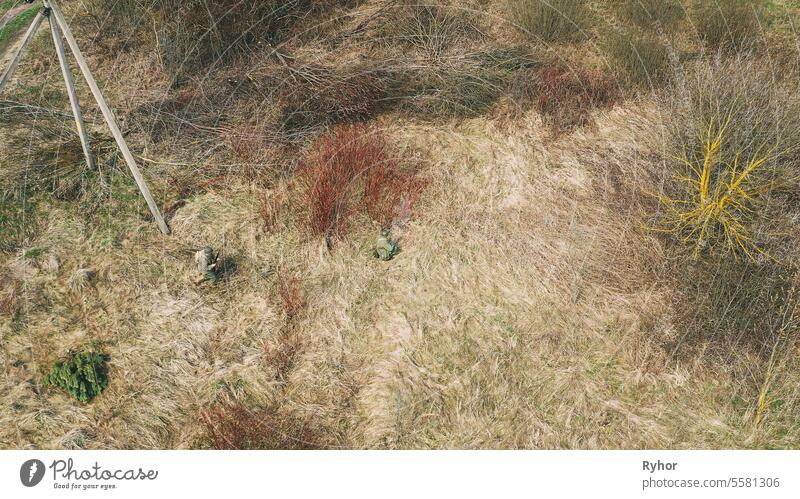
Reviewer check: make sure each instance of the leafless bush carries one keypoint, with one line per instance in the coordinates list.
(292, 296)
(735, 137)
(430, 27)
(193, 34)
(354, 169)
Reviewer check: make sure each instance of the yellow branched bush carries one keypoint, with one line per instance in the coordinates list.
(733, 141)
(719, 195)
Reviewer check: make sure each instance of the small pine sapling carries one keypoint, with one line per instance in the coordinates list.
(83, 375)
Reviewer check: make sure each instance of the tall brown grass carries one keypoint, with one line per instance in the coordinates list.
(10, 289)
(566, 95)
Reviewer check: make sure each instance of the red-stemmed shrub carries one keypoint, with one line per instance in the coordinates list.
(390, 192)
(353, 169)
(332, 170)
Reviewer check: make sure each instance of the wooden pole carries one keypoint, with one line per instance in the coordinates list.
(111, 120)
(9, 72)
(73, 94)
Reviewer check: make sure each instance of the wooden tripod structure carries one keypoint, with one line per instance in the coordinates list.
(60, 31)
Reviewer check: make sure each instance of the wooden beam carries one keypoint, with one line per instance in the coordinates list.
(111, 120)
(9, 72)
(73, 94)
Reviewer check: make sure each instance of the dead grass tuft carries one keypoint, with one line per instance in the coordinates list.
(566, 96)
(292, 297)
(729, 25)
(647, 13)
(391, 191)
(270, 208)
(552, 20)
(10, 289)
(640, 56)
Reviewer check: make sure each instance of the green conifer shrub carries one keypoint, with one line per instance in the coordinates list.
(83, 375)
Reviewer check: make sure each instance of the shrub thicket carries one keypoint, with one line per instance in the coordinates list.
(195, 33)
(322, 96)
(430, 27)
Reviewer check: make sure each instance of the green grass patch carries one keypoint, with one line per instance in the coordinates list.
(7, 5)
(15, 25)
(17, 223)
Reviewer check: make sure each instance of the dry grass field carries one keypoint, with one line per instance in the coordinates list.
(598, 239)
